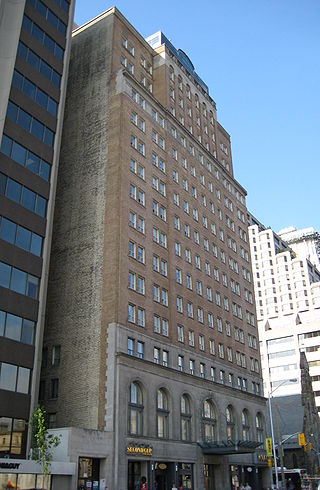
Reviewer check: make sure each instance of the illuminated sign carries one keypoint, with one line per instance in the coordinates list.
(269, 446)
(139, 449)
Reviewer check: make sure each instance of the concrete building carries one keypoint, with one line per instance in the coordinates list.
(151, 345)
(287, 291)
(305, 243)
(35, 38)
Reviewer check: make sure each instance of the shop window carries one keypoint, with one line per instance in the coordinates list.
(162, 414)
(12, 437)
(135, 409)
(88, 473)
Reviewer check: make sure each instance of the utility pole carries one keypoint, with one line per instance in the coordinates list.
(280, 451)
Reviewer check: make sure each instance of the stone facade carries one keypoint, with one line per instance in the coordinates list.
(150, 273)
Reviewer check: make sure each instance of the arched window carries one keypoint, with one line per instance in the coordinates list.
(135, 409)
(162, 414)
(231, 433)
(209, 421)
(259, 428)
(245, 425)
(185, 414)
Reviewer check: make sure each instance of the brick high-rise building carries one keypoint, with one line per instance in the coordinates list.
(35, 38)
(150, 305)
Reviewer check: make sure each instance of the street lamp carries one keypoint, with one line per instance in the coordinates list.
(270, 393)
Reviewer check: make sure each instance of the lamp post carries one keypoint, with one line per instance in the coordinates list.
(270, 393)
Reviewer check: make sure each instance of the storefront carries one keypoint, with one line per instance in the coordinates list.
(24, 481)
(145, 473)
(27, 474)
(139, 466)
(208, 473)
(88, 476)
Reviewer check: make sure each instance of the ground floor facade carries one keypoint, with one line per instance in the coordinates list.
(165, 425)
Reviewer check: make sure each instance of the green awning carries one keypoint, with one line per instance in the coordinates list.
(229, 447)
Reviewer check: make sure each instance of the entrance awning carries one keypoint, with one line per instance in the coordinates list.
(229, 447)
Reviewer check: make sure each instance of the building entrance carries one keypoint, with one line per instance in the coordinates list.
(208, 471)
(164, 475)
(185, 476)
(88, 474)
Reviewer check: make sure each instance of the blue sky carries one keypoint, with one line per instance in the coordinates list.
(260, 59)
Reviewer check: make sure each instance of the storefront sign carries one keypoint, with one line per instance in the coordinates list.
(269, 446)
(262, 457)
(9, 466)
(139, 449)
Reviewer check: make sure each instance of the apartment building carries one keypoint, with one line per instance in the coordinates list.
(287, 289)
(35, 39)
(304, 242)
(151, 349)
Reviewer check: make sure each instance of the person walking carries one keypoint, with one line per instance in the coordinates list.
(247, 487)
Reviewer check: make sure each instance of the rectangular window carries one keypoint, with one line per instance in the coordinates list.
(17, 328)
(56, 352)
(165, 358)
(22, 196)
(54, 388)
(201, 342)
(20, 237)
(165, 327)
(18, 281)
(212, 347)
(180, 363)
(192, 366)
(25, 158)
(156, 355)
(38, 64)
(130, 346)
(180, 332)
(210, 320)
(140, 349)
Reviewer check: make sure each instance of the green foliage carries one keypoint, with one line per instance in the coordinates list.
(42, 442)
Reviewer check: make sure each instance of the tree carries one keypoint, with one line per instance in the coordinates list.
(42, 442)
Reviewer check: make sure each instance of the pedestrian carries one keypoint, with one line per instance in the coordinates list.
(174, 486)
(247, 487)
(241, 487)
